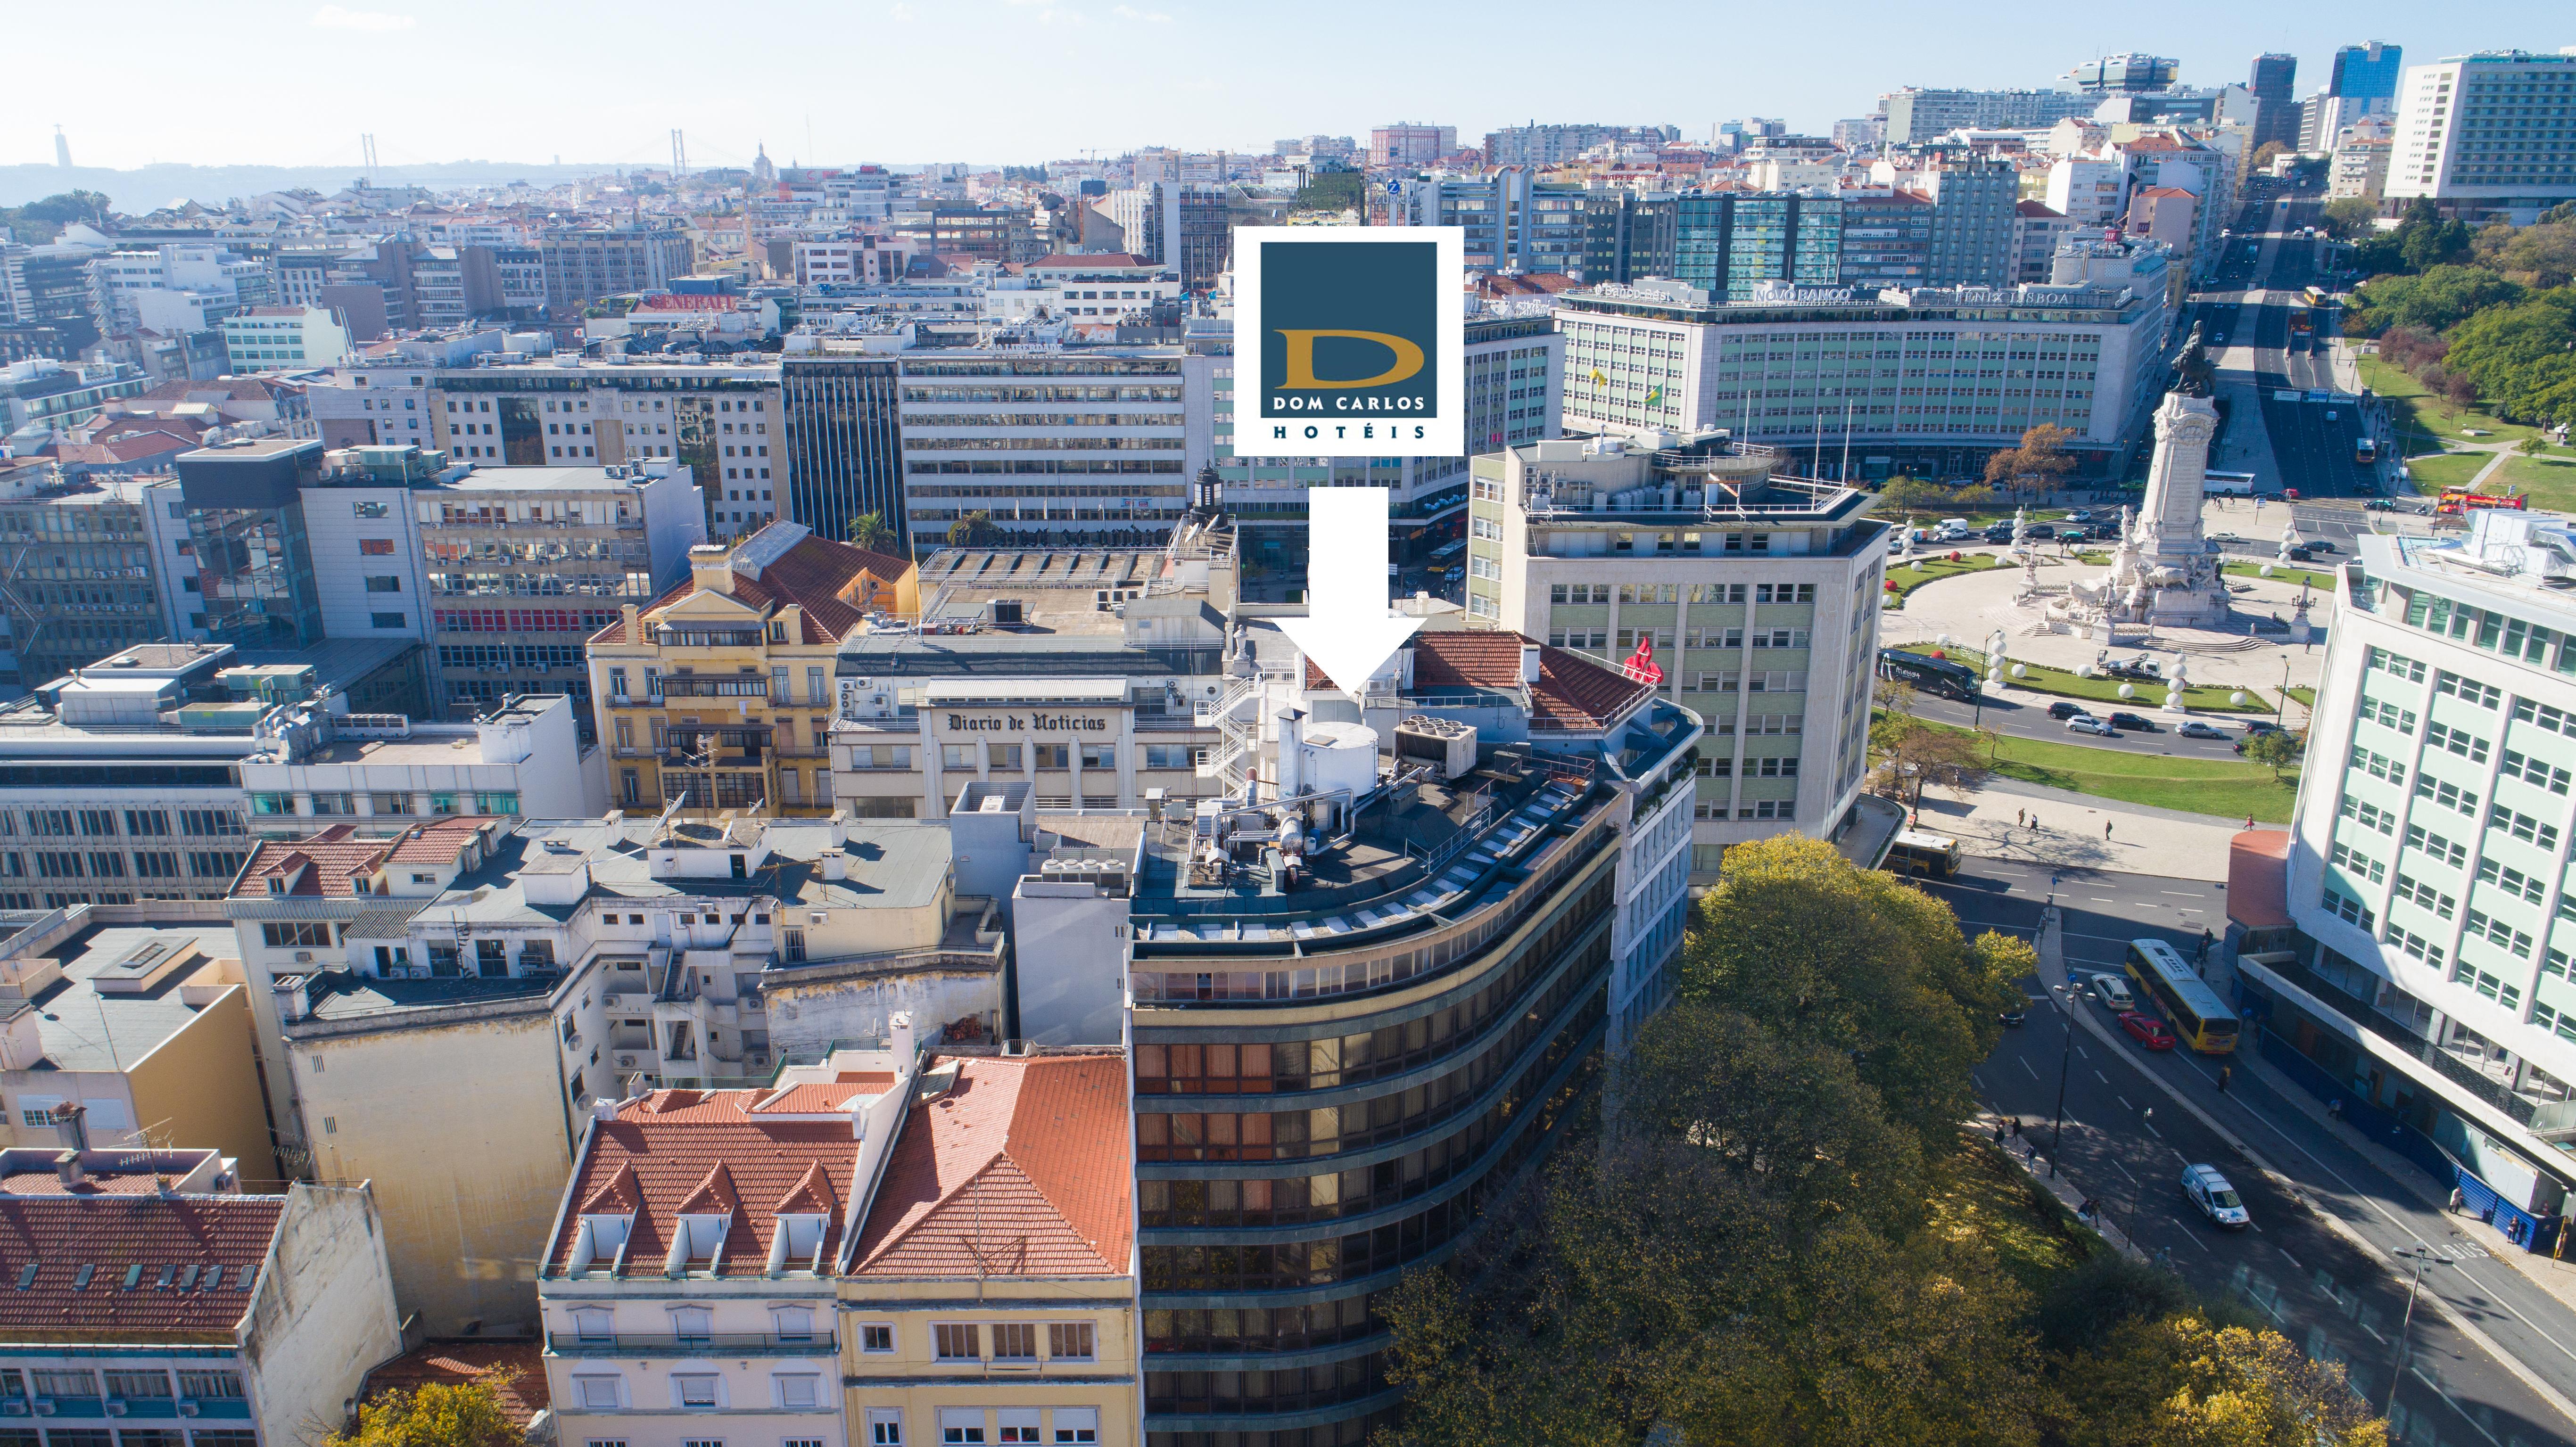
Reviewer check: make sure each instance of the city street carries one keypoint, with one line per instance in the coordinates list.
(2337, 1301)
(2026, 716)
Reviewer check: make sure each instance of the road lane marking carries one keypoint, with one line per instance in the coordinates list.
(2151, 1129)
(2456, 1407)
(2194, 1238)
(2124, 1100)
(2177, 894)
(2123, 1170)
(2293, 1260)
(2081, 1051)
(2026, 1066)
(2098, 1075)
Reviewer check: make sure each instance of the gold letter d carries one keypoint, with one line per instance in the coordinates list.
(1301, 359)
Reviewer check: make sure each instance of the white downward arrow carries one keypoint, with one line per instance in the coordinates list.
(1348, 630)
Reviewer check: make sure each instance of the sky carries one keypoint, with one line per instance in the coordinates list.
(235, 82)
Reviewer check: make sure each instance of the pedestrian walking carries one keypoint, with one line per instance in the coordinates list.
(2334, 1108)
(2106, 831)
(2018, 816)
(2225, 1073)
(2458, 1201)
(2249, 821)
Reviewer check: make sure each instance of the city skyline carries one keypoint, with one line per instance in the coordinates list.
(1006, 110)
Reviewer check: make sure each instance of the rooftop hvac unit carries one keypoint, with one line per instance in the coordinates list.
(1446, 744)
(1009, 612)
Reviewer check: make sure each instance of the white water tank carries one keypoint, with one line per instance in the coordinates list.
(1338, 756)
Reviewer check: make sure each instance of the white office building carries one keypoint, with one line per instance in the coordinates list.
(2491, 132)
(1755, 595)
(2428, 980)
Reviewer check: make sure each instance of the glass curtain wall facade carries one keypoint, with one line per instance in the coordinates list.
(845, 445)
(1728, 245)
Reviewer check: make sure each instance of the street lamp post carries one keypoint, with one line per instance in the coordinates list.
(2422, 1256)
(2065, 1058)
(2281, 705)
(2130, 1221)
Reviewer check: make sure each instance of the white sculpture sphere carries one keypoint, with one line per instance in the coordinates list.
(2128, 690)
(2020, 671)
(2238, 698)
(1943, 640)
(2267, 570)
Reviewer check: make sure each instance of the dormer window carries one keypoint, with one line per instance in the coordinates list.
(804, 1236)
(276, 885)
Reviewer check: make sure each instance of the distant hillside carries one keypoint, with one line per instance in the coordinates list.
(150, 187)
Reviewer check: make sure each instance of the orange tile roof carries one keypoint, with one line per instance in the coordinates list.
(816, 575)
(694, 1152)
(1021, 1169)
(326, 864)
(60, 1235)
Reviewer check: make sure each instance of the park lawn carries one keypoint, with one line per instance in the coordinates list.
(2549, 480)
(2419, 413)
(1985, 1198)
(2040, 678)
(2433, 472)
(2129, 772)
(1904, 578)
(2306, 696)
(2283, 573)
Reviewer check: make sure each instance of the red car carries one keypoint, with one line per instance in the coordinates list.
(2147, 1030)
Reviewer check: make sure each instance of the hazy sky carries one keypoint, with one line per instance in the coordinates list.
(249, 81)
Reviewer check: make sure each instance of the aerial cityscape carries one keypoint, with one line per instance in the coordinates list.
(1199, 787)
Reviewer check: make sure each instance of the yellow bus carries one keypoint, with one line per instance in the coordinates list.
(2201, 1019)
(1935, 856)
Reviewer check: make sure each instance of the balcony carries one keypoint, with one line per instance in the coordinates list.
(663, 1343)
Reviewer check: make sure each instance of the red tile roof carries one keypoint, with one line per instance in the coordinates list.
(815, 575)
(1572, 692)
(1022, 1168)
(337, 856)
(522, 1396)
(61, 1235)
(690, 1152)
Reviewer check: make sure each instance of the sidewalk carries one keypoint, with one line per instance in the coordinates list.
(2558, 1278)
(1994, 823)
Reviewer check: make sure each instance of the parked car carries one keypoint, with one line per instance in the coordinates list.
(2113, 991)
(2063, 709)
(2147, 1030)
(2136, 721)
(2206, 1189)
(2092, 726)
(2195, 729)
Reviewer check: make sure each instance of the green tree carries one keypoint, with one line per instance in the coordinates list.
(2435, 301)
(2348, 218)
(871, 531)
(1912, 494)
(1827, 953)
(1917, 754)
(974, 530)
(2280, 751)
(436, 1415)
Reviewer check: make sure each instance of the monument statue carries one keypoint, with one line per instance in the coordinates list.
(2192, 369)
(2164, 571)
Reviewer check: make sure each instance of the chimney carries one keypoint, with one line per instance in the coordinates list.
(67, 1168)
(711, 568)
(899, 1039)
(836, 865)
(1529, 663)
(859, 1116)
(634, 618)
(603, 1110)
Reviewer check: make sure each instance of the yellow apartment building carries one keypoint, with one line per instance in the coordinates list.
(722, 689)
(990, 1293)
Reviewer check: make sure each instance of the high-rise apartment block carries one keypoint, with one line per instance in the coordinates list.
(1410, 145)
(2426, 973)
(584, 263)
(1731, 244)
(2491, 132)
(2367, 73)
(1756, 595)
(2276, 109)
